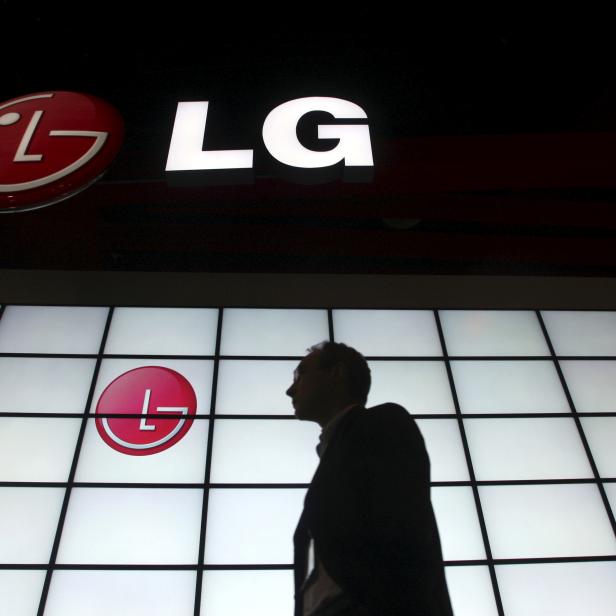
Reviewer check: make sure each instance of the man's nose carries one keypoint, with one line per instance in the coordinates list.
(290, 391)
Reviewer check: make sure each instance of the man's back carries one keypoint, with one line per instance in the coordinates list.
(368, 510)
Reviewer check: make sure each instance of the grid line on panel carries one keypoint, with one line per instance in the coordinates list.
(469, 463)
(73, 470)
(330, 324)
(286, 486)
(383, 358)
(52, 355)
(241, 416)
(208, 465)
(283, 566)
(578, 423)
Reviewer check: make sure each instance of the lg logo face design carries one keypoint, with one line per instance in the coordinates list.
(279, 133)
(53, 145)
(159, 404)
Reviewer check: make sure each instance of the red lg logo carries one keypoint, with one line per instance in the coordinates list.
(53, 145)
(147, 395)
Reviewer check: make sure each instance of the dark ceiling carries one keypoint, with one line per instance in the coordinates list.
(493, 145)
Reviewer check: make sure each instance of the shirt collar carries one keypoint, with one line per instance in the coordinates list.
(330, 427)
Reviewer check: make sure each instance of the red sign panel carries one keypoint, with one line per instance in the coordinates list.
(53, 145)
(160, 403)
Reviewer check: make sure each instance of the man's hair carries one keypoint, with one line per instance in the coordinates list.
(332, 353)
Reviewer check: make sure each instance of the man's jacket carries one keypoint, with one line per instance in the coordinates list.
(368, 510)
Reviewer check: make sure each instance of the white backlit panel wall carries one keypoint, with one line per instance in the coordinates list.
(150, 463)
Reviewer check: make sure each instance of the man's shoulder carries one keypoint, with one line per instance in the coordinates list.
(386, 419)
(387, 413)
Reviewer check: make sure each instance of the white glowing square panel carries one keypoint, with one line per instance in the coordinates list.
(444, 446)
(20, 591)
(264, 331)
(182, 462)
(52, 329)
(254, 387)
(591, 333)
(458, 524)
(470, 591)
(601, 436)
(388, 332)
(538, 448)
(132, 395)
(559, 589)
(264, 451)
(28, 522)
(37, 449)
(131, 526)
(592, 385)
(252, 526)
(543, 521)
(258, 593)
(508, 387)
(162, 331)
(44, 385)
(492, 332)
(119, 593)
(419, 386)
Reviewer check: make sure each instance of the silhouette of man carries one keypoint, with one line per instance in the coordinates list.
(366, 543)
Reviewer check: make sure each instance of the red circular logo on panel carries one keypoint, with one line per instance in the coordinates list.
(53, 145)
(149, 395)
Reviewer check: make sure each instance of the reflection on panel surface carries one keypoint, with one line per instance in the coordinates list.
(388, 332)
(52, 329)
(566, 589)
(131, 526)
(508, 387)
(420, 387)
(258, 593)
(492, 332)
(135, 593)
(162, 331)
(546, 521)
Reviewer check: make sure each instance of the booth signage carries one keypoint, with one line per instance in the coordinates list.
(54, 145)
(354, 149)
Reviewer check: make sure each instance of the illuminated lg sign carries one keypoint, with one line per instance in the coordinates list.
(158, 403)
(53, 145)
(186, 151)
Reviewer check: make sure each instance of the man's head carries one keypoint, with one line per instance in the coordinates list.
(329, 378)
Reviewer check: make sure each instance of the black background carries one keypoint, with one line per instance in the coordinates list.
(421, 81)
